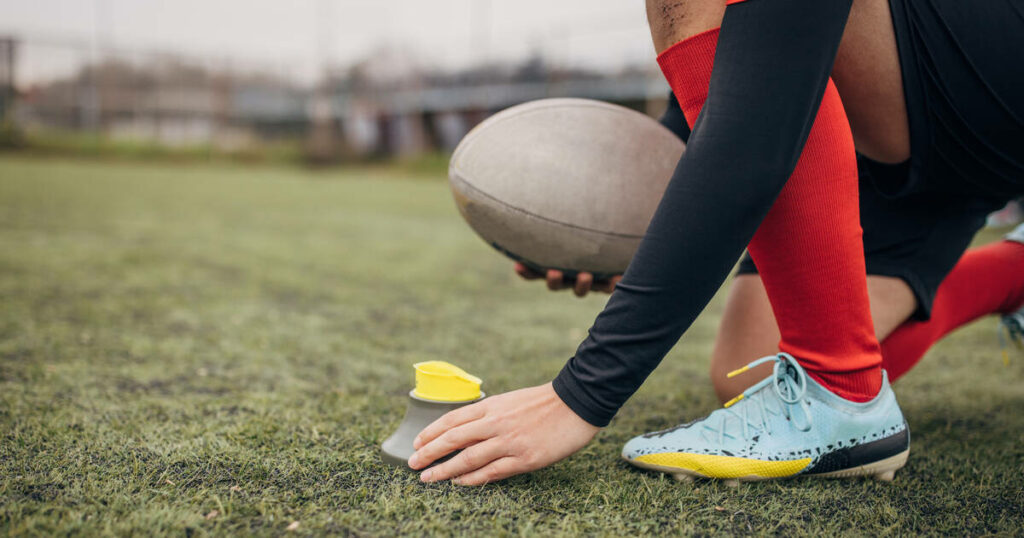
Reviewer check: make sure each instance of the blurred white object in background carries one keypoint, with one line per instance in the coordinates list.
(1011, 215)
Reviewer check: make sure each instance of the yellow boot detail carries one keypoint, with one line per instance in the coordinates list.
(723, 466)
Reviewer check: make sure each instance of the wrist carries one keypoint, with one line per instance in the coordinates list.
(570, 394)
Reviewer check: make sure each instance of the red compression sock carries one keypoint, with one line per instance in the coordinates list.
(808, 250)
(986, 280)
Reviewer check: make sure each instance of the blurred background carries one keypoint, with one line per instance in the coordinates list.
(316, 81)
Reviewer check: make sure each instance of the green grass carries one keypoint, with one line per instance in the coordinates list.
(54, 143)
(177, 342)
(288, 151)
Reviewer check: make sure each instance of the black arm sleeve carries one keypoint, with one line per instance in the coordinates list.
(772, 63)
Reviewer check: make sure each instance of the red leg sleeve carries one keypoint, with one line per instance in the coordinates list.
(808, 249)
(986, 280)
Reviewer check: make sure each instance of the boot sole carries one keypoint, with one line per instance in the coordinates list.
(883, 470)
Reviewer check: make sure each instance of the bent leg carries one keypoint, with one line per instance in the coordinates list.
(810, 254)
(986, 280)
(748, 328)
(808, 246)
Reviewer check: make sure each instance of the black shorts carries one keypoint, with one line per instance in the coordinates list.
(963, 78)
(917, 237)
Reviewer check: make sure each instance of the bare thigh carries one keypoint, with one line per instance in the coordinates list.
(748, 329)
(866, 72)
(868, 76)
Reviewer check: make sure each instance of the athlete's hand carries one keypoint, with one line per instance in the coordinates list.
(583, 284)
(501, 436)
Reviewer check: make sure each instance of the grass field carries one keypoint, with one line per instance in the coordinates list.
(217, 350)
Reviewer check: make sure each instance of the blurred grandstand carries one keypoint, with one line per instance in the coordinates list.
(380, 107)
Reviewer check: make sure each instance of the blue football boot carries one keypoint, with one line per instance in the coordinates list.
(784, 426)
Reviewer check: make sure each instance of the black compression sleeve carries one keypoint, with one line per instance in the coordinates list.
(771, 67)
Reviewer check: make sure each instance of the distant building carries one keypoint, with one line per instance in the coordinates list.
(403, 115)
(383, 107)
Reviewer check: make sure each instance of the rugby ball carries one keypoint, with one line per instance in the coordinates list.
(567, 184)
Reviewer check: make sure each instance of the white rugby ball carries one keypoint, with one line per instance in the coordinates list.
(567, 184)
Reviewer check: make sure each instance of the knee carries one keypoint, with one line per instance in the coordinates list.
(672, 21)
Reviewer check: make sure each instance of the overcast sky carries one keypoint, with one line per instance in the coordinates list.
(294, 34)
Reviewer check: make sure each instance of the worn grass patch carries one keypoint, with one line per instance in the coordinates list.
(220, 350)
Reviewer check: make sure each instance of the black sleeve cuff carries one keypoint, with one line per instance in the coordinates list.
(569, 390)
